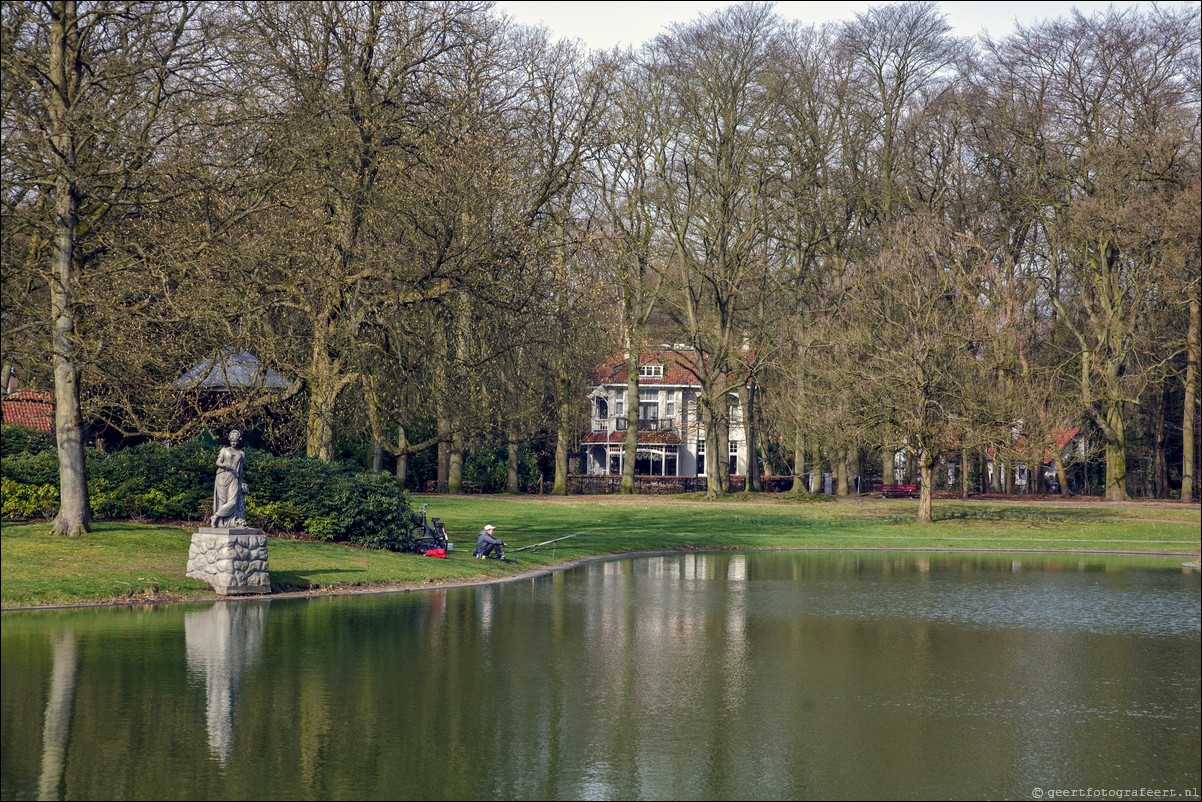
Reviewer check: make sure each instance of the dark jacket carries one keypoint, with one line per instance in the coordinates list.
(484, 540)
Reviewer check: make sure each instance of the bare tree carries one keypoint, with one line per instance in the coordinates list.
(718, 114)
(92, 91)
(624, 190)
(1110, 120)
(911, 369)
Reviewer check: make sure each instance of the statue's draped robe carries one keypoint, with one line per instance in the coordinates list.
(229, 502)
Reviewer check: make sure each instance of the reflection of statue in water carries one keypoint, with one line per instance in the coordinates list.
(229, 491)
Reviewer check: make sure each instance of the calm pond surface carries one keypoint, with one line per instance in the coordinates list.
(789, 675)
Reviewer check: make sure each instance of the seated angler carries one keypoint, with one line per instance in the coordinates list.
(487, 543)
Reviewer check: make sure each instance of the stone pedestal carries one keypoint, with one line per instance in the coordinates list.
(233, 561)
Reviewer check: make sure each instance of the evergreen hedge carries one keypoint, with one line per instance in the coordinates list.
(154, 481)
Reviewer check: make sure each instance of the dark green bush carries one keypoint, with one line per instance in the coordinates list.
(30, 468)
(375, 513)
(16, 439)
(154, 481)
(308, 483)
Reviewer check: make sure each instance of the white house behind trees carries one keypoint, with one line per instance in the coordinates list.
(671, 438)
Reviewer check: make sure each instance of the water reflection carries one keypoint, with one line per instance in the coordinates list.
(222, 642)
(826, 675)
(60, 702)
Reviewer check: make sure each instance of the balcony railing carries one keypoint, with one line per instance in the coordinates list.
(650, 424)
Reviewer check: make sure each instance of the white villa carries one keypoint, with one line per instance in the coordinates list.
(671, 439)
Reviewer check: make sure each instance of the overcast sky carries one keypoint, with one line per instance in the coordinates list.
(607, 24)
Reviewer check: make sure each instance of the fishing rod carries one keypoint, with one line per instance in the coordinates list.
(534, 546)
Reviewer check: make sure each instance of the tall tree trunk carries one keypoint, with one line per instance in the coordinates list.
(926, 480)
(462, 319)
(1190, 409)
(631, 445)
(751, 432)
(442, 391)
(965, 471)
(319, 443)
(444, 452)
(455, 464)
(74, 512)
(402, 460)
(888, 469)
(839, 469)
(511, 471)
(1116, 453)
(722, 433)
(815, 468)
(563, 431)
(326, 383)
(375, 449)
(713, 477)
(799, 463)
(1062, 477)
(853, 469)
(1160, 461)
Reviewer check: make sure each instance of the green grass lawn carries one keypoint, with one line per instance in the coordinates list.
(142, 562)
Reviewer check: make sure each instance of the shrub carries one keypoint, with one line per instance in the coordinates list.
(338, 502)
(154, 504)
(325, 527)
(375, 512)
(274, 516)
(107, 501)
(26, 500)
(15, 439)
(154, 481)
(157, 480)
(39, 468)
(308, 483)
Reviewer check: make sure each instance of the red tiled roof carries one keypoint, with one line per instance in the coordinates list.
(1062, 438)
(676, 368)
(613, 371)
(29, 408)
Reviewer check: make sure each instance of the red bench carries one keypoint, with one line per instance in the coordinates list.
(892, 491)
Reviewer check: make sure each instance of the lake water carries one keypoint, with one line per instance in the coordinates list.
(833, 675)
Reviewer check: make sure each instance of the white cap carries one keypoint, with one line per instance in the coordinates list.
(489, 527)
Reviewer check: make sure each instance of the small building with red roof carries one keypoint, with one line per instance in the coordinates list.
(671, 437)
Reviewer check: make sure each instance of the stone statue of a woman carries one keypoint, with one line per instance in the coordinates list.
(229, 491)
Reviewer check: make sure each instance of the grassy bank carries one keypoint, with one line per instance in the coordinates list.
(139, 562)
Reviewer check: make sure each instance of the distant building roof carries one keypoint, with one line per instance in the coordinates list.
(31, 408)
(1059, 441)
(230, 371)
(613, 371)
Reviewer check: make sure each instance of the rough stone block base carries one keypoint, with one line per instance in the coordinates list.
(232, 561)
